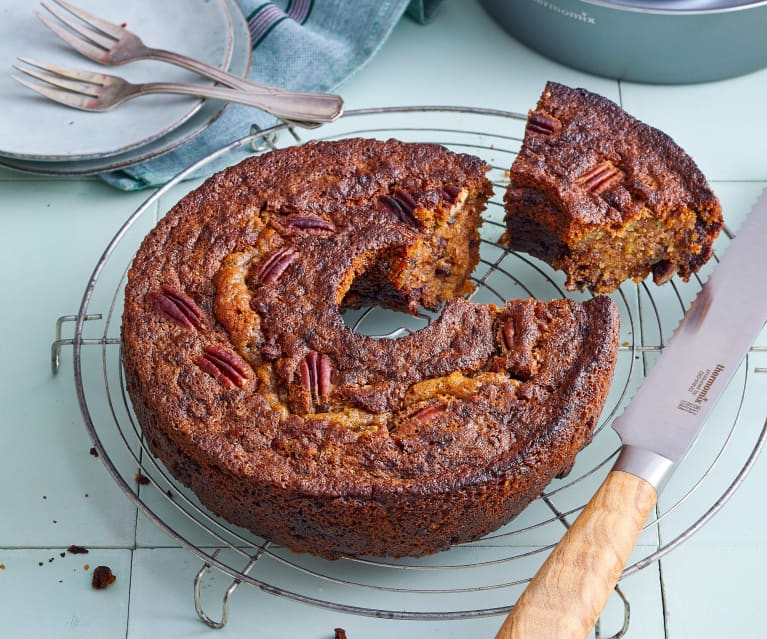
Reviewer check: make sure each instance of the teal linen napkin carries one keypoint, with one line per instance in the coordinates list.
(303, 45)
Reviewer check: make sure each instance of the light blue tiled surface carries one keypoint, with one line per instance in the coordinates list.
(46, 595)
(55, 493)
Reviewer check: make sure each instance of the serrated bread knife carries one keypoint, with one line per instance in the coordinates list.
(658, 427)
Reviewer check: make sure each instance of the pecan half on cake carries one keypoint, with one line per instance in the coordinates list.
(252, 390)
(606, 198)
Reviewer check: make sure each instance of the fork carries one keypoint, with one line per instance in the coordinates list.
(111, 44)
(101, 92)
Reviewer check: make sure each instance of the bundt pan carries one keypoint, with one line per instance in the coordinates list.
(658, 42)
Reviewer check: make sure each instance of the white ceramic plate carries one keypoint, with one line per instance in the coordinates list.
(34, 128)
(209, 113)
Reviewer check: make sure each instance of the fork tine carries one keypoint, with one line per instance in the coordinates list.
(75, 86)
(88, 50)
(85, 76)
(101, 24)
(63, 97)
(94, 36)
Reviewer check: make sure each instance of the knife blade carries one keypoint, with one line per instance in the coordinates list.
(657, 429)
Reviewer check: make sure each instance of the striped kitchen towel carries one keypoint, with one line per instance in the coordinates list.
(301, 45)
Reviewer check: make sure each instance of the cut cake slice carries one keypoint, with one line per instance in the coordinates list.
(606, 198)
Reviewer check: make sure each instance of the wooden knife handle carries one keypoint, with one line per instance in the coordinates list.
(569, 591)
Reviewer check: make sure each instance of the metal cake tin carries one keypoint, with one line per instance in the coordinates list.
(657, 42)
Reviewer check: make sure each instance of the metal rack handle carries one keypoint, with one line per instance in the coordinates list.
(58, 342)
(209, 621)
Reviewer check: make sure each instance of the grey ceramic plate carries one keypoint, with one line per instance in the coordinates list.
(33, 128)
(209, 113)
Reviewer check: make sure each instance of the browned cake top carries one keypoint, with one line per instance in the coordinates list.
(600, 165)
(234, 343)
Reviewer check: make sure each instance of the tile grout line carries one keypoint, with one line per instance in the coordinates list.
(130, 591)
(661, 583)
(663, 602)
(60, 547)
(132, 557)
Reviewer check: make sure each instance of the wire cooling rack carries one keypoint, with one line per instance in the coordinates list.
(471, 580)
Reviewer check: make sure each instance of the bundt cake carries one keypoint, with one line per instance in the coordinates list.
(253, 391)
(606, 198)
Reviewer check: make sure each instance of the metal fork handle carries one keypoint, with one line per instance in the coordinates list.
(284, 106)
(307, 103)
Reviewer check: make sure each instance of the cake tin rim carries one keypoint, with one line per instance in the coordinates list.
(606, 4)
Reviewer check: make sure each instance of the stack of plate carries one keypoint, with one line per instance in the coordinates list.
(40, 136)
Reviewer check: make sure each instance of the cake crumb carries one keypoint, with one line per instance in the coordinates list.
(77, 550)
(102, 577)
(93, 451)
(2, 566)
(340, 633)
(142, 480)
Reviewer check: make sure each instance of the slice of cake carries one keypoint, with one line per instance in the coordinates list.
(606, 198)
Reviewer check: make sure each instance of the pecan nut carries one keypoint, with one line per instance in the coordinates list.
(177, 307)
(600, 178)
(274, 264)
(226, 366)
(315, 371)
(402, 204)
(307, 224)
(430, 412)
(450, 193)
(508, 333)
(543, 123)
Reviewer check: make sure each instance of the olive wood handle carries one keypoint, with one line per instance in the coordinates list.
(569, 591)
